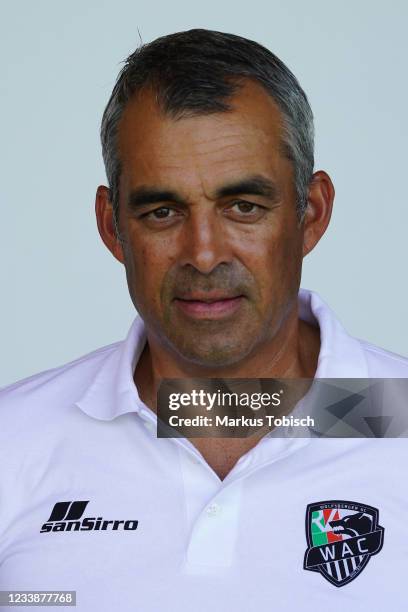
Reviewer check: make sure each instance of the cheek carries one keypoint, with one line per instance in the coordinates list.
(147, 264)
(274, 259)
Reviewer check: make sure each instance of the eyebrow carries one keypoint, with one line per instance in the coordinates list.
(142, 196)
(252, 185)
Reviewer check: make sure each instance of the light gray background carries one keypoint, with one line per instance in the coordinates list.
(62, 293)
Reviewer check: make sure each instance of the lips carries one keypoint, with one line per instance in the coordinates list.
(207, 296)
(211, 305)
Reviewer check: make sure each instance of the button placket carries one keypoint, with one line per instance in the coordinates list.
(214, 535)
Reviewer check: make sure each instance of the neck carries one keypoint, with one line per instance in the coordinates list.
(292, 353)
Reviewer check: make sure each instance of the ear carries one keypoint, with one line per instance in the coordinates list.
(318, 211)
(106, 223)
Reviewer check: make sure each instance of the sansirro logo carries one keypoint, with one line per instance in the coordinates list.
(66, 516)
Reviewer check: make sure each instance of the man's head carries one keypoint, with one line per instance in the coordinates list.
(196, 73)
(208, 146)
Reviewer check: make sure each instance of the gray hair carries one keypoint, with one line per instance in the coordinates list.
(196, 72)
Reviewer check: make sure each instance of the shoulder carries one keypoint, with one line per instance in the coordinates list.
(51, 392)
(383, 363)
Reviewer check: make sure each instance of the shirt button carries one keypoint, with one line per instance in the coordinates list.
(213, 510)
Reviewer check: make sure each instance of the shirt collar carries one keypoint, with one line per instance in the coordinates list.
(112, 391)
(341, 355)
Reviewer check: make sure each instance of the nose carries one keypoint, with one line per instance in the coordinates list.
(205, 243)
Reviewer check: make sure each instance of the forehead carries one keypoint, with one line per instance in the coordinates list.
(200, 150)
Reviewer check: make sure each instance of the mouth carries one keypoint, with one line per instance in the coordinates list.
(209, 306)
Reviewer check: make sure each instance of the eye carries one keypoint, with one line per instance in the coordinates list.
(160, 213)
(245, 207)
(245, 212)
(161, 217)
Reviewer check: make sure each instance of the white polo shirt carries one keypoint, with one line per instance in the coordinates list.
(92, 501)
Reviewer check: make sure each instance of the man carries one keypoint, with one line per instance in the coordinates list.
(212, 205)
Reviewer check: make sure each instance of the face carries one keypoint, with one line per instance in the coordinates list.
(210, 238)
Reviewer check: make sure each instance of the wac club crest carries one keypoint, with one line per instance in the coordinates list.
(341, 538)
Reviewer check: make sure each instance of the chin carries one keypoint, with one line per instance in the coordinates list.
(213, 356)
